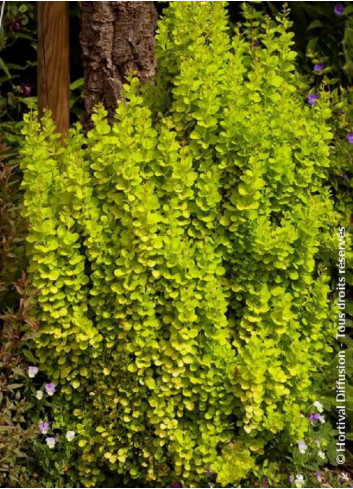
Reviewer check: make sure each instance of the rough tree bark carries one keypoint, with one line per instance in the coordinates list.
(116, 37)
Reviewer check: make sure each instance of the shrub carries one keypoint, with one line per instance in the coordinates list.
(26, 459)
(17, 432)
(181, 255)
(12, 228)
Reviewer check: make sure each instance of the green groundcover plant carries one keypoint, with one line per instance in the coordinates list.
(181, 259)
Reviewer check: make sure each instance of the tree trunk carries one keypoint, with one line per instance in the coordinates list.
(116, 37)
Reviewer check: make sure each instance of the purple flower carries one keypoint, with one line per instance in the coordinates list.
(319, 67)
(256, 44)
(175, 484)
(312, 98)
(318, 476)
(26, 89)
(350, 137)
(50, 388)
(44, 427)
(338, 9)
(315, 417)
(345, 176)
(17, 25)
(291, 479)
(32, 371)
(342, 112)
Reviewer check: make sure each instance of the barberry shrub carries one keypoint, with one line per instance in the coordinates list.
(180, 258)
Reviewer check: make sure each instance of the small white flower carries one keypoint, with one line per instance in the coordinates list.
(39, 395)
(70, 435)
(302, 446)
(344, 477)
(322, 419)
(321, 454)
(50, 442)
(318, 406)
(299, 480)
(32, 371)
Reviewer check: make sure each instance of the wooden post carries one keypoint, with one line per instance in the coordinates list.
(53, 62)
